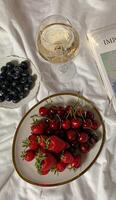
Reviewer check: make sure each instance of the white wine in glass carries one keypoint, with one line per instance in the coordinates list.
(57, 41)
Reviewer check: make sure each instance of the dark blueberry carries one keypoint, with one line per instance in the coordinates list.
(1, 93)
(21, 95)
(27, 85)
(18, 70)
(4, 69)
(9, 89)
(20, 88)
(24, 65)
(16, 76)
(23, 80)
(25, 74)
(8, 97)
(14, 91)
(16, 100)
(30, 79)
(26, 89)
(6, 83)
(10, 73)
(2, 98)
(14, 83)
(25, 93)
(1, 77)
(4, 86)
(9, 65)
(4, 74)
(9, 79)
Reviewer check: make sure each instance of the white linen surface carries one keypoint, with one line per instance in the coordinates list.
(19, 21)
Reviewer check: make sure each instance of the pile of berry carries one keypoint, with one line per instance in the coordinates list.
(15, 81)
(60, 136)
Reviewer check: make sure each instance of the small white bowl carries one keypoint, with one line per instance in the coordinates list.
(32, 92)
(27, 171)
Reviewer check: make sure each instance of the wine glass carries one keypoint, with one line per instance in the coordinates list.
(58, 43)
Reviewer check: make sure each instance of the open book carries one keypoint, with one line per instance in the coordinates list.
(103, 45)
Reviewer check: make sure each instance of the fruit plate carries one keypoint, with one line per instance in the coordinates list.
(27, 170)
(32, 69)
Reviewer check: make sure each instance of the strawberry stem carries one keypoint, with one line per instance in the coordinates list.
(25, 143)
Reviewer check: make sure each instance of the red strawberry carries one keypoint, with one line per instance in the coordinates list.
(44, 172)
(32, 138)
(33, 145)
(66, 124)
(29, 155)
(42, 141)
(67, 157)
(95, 124)
(76, 161)
(43, 111)
(60, 166)
(71, 134)
(83, 137)
(56, 144)
(38, 128)
(76, 123)
(48, 162)
(45, 162)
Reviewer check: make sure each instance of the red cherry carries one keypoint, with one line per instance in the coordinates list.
(67, 145)
(68, 109)
(76, 162)
(66, 124)
(43, 111)
(52, 110)
(84, 148)
(48, 131)
(93, 140)
(83, 137)
(71, 134)
(60, 110)
(75, 143)
(76, 123)
(95, 124)
(87, 123)
(89, 115)
(54, 124)
(29, 155)
(80, 111)
(60, 166)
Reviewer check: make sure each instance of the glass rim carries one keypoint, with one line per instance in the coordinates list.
(54, 15)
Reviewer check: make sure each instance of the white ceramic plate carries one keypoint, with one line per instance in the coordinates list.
(28, 171)
(32, 92)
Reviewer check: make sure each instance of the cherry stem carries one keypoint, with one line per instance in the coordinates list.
(59, 119)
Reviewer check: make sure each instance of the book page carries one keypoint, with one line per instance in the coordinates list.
(109, 61)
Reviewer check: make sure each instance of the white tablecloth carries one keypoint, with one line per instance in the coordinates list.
(19, 21)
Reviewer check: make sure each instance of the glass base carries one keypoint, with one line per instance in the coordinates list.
(64, 72)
